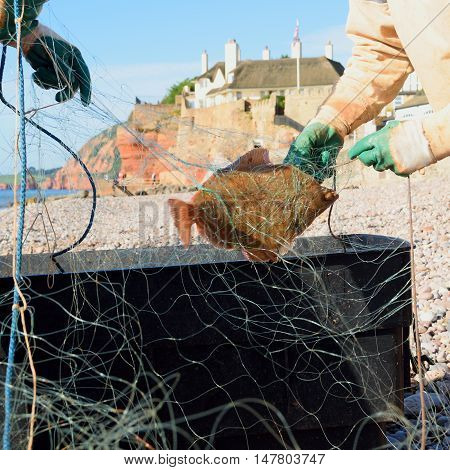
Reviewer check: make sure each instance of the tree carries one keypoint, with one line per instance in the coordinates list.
(176, 90)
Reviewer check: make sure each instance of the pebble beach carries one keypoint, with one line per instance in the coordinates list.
(144, 221)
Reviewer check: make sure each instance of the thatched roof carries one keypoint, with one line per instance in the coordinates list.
(419, 99)
(211, 73)
(282, 73)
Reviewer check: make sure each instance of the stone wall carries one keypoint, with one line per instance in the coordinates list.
(149, 117)
(303, 106)
(213, 136)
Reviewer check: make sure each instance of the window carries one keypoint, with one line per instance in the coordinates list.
(398, 101)
(280, 105)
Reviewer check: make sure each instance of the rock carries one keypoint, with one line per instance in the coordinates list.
(443, 292)
(445, 443)
(400, 435)
(421, 268)
(396, 444)
(412, 403)
(428, 346)
(443, 421)
(439, 311)
(434, 375)
(426, 296)
(427, 316)
(423, 327)
(137, 166)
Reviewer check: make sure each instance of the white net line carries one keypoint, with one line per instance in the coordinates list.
(112, 384)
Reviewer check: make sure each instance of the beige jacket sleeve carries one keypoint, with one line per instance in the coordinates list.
(421, 142)
(436, 128)
(375, 73)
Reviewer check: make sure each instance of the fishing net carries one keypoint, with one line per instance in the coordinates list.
(140, 343)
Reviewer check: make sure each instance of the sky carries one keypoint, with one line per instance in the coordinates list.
(141, 47)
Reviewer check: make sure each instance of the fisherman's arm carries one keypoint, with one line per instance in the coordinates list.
(57, 63)
(376, 71)
(405, 147)
(375, 74)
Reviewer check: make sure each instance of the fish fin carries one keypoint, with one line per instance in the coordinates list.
(252, 159)
(330, 195)
(183, 216)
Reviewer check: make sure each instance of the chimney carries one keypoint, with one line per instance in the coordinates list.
(329, 50)
(232, 55)
(204, 62)
(266, 53)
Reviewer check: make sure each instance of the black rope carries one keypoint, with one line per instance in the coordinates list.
(70, 151)
(340, 238)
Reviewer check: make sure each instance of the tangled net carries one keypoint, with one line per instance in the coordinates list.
(152, 346)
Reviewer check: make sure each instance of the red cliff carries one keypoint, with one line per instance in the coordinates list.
(136, 154)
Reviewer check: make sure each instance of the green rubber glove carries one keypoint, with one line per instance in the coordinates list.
(375, 149)
(32, 9)
(59, 65)
(315, 151)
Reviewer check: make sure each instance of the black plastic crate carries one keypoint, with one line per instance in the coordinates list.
(252, 355)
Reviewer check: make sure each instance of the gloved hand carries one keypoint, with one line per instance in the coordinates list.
(399, 146)
(31, 10)
(315, 150)
(57, 64)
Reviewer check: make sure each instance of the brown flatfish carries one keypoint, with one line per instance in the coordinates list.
(253, 206)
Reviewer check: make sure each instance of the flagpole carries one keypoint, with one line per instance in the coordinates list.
(298, 47)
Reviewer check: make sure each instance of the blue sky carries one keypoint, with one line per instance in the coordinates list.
(136, 31)
(141, 47)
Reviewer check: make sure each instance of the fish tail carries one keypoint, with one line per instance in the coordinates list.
(183, 216)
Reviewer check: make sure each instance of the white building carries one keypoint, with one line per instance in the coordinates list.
(410, 103)
(415, 107)
(213, 78)
(235, 79)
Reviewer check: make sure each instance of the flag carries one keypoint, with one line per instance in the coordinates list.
(297, 32)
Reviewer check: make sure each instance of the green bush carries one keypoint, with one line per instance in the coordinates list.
(176, 90)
